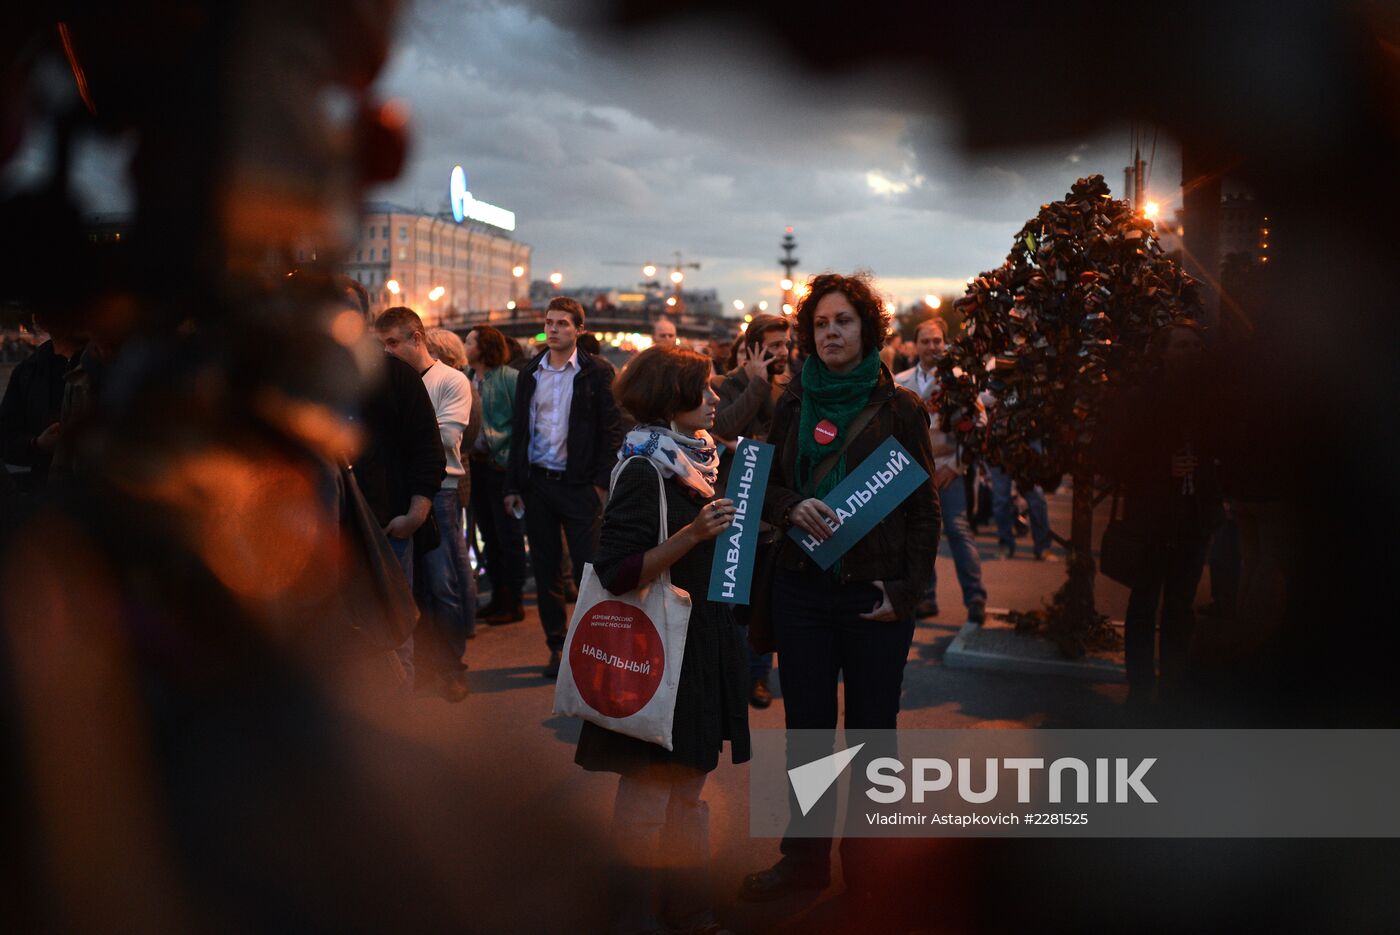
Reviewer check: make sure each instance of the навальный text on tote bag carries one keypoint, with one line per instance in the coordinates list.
(622, 657)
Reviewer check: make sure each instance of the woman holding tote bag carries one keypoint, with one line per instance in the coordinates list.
(660, 824)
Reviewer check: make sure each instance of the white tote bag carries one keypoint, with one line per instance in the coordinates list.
(622, 656)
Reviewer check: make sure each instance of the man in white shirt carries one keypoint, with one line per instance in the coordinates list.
(564, 444)
(948, 472)
(438, 657)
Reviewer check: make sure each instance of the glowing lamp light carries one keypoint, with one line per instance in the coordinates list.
(932, 301)
(787, 309)
(1151, 209)
(738, 305)
(540, 336)
(671, 301)
(511, 305)
(743, 326)
(392, 285)
(436, 293)
(786, 285)
(970, 279)
(763, 305)
(747, 319)
(556, 278)
(518, 271)
(677, 276)
(649, 271)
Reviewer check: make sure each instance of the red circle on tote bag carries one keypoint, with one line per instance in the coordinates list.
(617, 658)
(825, 432)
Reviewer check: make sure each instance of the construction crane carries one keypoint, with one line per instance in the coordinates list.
(679, 265)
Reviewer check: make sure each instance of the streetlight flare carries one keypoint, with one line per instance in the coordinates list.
(677, 276)
(786, 285)
(932, 301)
(763, 305)
(738, 305)
(556, 278)
(747, 319)
(787, 309)
(436, 293)
(671, 301)
(392, 285)
(511, 305)
(518, 271)
(649, 270)
(1151, 210)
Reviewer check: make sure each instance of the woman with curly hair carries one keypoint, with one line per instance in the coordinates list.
(855, 621)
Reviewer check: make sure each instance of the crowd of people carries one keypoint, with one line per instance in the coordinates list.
(472, 448)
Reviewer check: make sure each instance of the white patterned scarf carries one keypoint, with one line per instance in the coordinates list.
(693, 461)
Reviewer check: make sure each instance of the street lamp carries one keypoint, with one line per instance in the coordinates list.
(556, 278)
(671, 301)
(738, 305)
(392, 285)
(1151, 210)
(649, 271)
(511, 305)
(677, 276)
(436, 293)
(747, 319)
(787, 309)
(786, 285)
(932, 301)
(518, 271)
(763, 305)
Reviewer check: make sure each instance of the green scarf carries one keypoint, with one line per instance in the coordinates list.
(838, 398)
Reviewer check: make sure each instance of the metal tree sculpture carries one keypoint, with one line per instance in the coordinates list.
(1064, 321)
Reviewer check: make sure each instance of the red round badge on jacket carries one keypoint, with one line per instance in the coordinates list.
(825, 432)
(616, 658)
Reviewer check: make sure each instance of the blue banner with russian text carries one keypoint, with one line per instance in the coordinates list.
(731, 575)
(863, 498)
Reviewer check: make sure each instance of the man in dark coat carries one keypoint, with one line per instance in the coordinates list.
(566, 435)
(30, 411)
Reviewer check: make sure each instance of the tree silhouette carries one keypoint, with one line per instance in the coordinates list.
(1064, 322)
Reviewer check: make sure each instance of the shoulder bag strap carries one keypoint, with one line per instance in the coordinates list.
(857, 426)
(661, 530)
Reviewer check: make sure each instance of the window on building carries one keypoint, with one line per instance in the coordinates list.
(359, 256)
(386, 232)
(386, 253)
(403, 253)
(403, 232)
(370, 234)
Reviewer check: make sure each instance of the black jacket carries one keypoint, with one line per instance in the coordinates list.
(712, 694)
(901, 548)
(33, 401)
(403, 451)
(595, 426)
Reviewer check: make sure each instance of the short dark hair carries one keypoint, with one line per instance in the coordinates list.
(352, 294)
(565, 304)
(935, 322)
(491, 346)
(662, 381)
(761, 326)
(874, 319)
(399, 316)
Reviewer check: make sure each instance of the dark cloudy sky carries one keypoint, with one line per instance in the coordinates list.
(698, 139)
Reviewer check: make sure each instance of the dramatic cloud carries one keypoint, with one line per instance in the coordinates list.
(698, 139)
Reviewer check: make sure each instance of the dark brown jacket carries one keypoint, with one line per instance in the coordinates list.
(900, 550)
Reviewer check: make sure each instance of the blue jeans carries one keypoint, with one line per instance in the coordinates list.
(953, 501)
(447, 602)
(1002, 511)
(403, 551)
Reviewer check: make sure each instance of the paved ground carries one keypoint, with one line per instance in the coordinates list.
(515, 758)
